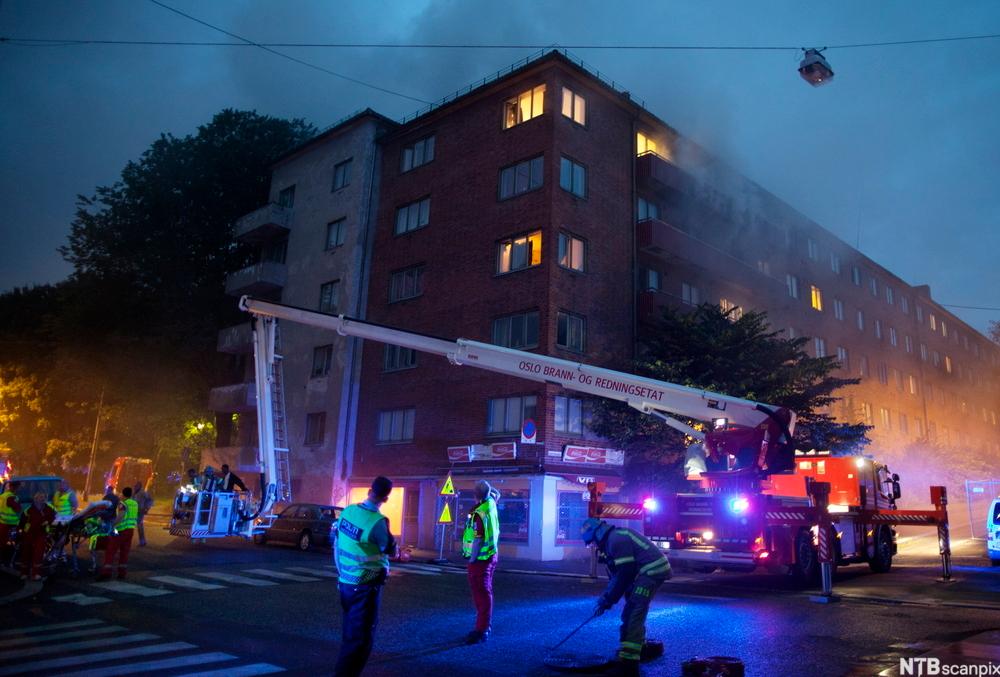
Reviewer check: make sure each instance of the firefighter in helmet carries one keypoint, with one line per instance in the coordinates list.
(636, 569)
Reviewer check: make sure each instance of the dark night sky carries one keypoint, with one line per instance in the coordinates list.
(903, 147)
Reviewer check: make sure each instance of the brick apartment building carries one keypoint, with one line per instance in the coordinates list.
(546, 210)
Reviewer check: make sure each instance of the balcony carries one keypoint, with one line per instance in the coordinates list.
(235, 340)
(661, 239)
(662, 174)
(651, 304)
(261, 225)
(239, 398)
(266, 277)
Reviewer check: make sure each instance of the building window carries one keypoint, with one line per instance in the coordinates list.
(813, 249)
(893, 341)
(835, 263)
(507, 414)
(644, 144)
(883, 373)
(395, 358)
(571, 332)
(328, 297)
(286, 197)
(908, 343)
(646, 210)
(889, 295)
(573, 177)
(315, 428)
(322, 359)
(923, 352)
(522, 177)
(936, 358)
(569, 415)
(406, 284)
(572, 515)
(732, 311)
(651, 280)
(844, 357)
(817, 297)
(838, 309)
(396, 425)
(856, 276)
(904, 305)
(335, 234)
(920, 313)
(863, 368)
(418, 153)
(524, 106)
(944, 329)
(861, 320)
(793, 285)
(913, 384)
(519, 252)
(878, 329)
(897, 376)
(342, 175)
(413, 215)
(820, 346)
(873, 285)
(933, 321)
(885, 417)
(763, 267)
(947, 364)
(866, 413)
(574, 106)
(689, 294)
(516, 331)
(572, 252)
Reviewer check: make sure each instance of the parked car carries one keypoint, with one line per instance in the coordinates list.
(32, 484)
(993, 533)
(301, 524)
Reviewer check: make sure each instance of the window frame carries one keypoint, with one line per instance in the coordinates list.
(343, 171)
(404, 413)
(407, 207)
(583, 331)
(327, 361)
(396, 364)
(570, 238)
(573, 107)
(514, 104)
(411, 148)
(529, 256)
(310, 436)
(340, 224)
(513, 169)
(525, 316)
(418, 272)
(330, 307)
(568, 415)
(573, 166)
(507, 399)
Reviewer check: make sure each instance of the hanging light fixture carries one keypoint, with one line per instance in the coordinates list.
(814, 69)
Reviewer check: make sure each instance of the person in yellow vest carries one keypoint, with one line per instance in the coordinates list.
(121, 543)
(64, 500)
(479, 546)
(10, 515)
(363, 546)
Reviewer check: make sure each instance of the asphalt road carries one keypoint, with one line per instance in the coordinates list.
(233, 608)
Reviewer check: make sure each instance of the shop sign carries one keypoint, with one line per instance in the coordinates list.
(502, 451)
(593, 456)
(458, 454)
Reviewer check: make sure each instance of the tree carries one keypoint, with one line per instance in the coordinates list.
(711, 349)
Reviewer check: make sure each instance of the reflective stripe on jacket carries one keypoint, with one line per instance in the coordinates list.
(131, 515)
(625, 546)
(359, 561)
(8, 515)
(487, 511)
(60, 502)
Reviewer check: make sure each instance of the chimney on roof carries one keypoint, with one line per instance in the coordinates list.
(923, 290)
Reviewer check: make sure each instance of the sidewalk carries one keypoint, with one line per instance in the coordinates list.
(976, 655)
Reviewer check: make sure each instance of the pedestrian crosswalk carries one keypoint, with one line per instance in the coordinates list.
(92, 648)
(103, 592)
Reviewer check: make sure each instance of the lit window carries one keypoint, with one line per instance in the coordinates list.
(947, 364)
(569, 415)
(856, 275)
(516, 331)
(413, 215)
(733, 311)
(835, 263)
(524, 106)
(416, 154)
(689, 294)
(520, 252)
(866, 413)
(396, 425)
(572, 252)
(322, 360)
(646, 210)
(912, 381)
(889, 295)
(817, 297)
(342, 175)
(315, 428)
(573, 177)
(335, 233)
(644, 144)
(933, 321)
(792, 283)
(886, 418)
(571, 331)
(813, 249)
(838, 309)
(844, 357)
(522, 177)
(507, 414)
(878, 329)
(861, 320)
(328, 297)
(892, 336)
(651, 280)
(395, 358)
(820, 346)
(406, 284)
(908, 342)
(574, 106)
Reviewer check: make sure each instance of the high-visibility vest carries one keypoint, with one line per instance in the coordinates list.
(60, 501)
(358, 559)
(131, 515)
(8, 515)
(487, 511)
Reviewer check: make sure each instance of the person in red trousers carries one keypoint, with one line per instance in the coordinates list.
(479, 544)
(34, 532)
(120, 543)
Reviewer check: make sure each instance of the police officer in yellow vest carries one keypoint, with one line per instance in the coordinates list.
(479, 546)
(120, 543)
(364, 545)
(64, 500)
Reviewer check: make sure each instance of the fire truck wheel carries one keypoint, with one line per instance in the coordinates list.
(806, 567)
(882, 560)
(305, 541)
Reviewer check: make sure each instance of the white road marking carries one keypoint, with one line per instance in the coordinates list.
(82, 600)
(240, 671)
(282, 575)
(234, 578)
(405, 570)
(148, 666)
(186, 583)
(49, 626)
(71, 634)
(429, 567)
(132, 588)
(73, 646)
(72, 661)
(314, 572)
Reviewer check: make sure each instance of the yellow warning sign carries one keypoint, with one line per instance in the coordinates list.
(448, 489)
(445, 517)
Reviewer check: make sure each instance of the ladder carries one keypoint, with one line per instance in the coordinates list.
(284, 483)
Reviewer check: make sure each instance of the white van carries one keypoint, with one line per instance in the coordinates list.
(993, 533)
